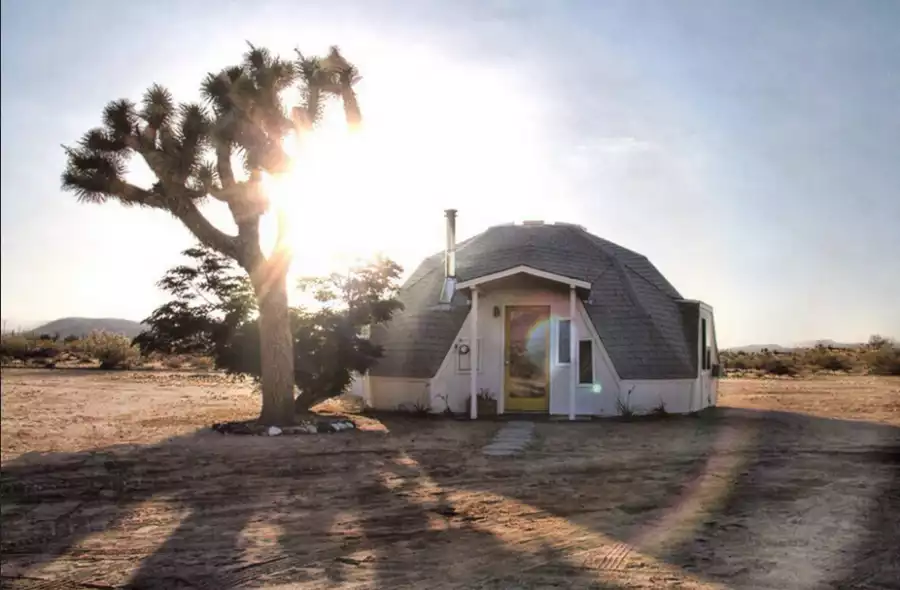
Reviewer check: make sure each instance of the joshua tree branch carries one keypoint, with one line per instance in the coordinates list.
(206, 232)
(223, 165)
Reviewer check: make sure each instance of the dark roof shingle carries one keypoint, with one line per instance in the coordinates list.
(634, 308)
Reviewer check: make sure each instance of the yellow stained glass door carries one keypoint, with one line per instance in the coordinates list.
(527, 375)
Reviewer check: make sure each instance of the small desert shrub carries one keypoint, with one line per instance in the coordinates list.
(877, 342)
(884, 361)
(830, 361)
(421, 409)
(203, 363)
(739, 364)
(779, 366)
(112, 350)
(446, 399)
(14, 346)
(74, 345)
(624, 408)
(173, 362)
(44, 349)
(70, 339)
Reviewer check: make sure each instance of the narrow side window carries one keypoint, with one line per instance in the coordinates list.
(564, 341)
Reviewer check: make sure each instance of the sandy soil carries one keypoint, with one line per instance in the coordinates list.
(110, 480)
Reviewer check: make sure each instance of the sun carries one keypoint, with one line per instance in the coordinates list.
(426, 143)
(320, 197)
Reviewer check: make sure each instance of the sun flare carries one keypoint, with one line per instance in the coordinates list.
(382, 188)
(322, 192)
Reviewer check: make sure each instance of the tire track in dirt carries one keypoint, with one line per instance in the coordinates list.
(614, 559)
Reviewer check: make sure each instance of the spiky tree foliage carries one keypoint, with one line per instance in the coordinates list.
(190, 149)
(212, 313)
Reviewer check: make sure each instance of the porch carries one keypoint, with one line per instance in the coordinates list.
(530, 345)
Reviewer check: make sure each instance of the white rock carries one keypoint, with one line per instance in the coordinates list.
(273, 431)
(311, 429)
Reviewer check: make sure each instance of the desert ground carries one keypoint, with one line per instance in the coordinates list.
(114, 479)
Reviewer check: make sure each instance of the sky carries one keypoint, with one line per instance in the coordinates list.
(748, 149)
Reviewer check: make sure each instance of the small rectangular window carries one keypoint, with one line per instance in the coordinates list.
(585, 363)
(703, 345)
(564, 341)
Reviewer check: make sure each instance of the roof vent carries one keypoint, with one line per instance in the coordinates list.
(533, 222)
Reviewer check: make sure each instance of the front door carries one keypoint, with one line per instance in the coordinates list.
(527, 376)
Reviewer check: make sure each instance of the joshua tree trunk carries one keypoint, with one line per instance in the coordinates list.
(276, 344)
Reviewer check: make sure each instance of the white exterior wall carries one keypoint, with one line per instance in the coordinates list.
(391, 393)
(646, 394)
(456, 385)
(359, 387)
(707, 384)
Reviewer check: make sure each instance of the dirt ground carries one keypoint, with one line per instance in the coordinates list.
(111, 479)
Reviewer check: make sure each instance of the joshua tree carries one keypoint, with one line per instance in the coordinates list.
(190, 149)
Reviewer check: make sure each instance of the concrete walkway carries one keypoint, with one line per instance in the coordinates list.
(511, 439)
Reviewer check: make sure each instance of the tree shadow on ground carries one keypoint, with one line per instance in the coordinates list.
(744, 498)
(723, 498)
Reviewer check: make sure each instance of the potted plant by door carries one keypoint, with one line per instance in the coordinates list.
(486, 403)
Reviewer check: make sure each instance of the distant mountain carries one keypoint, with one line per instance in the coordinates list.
(83, 326)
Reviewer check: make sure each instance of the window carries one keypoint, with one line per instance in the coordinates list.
(563, 341)
(705, 349)
(464, 361)
(585, 363)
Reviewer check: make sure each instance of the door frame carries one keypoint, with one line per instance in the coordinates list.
(505, 340)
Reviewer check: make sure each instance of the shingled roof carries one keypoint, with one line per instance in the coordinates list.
(638, 314)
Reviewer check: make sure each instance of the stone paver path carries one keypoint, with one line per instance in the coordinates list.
(511, 439)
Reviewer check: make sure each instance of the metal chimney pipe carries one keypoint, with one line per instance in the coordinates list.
(450, 250)
(449, 288)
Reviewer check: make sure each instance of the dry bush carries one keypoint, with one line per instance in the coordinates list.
(173, 362)
(827, 359)
(21, 347)
(74, 346)
(44, 349)
(14, 346)
(203, 363)
(880, 356)
(114, 351)
(775, 365)
(884, 361)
